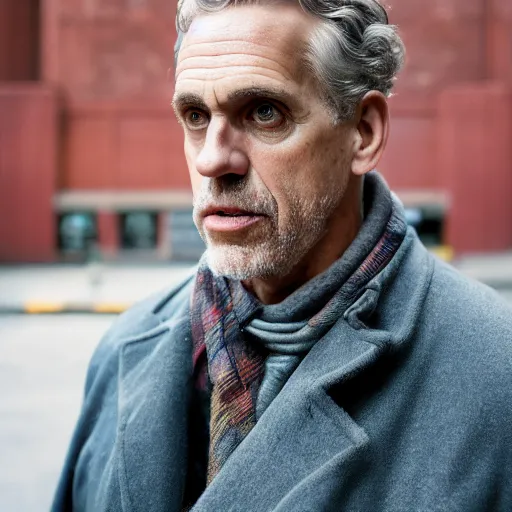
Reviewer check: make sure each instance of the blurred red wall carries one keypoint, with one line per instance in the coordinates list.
(28, 162)
(19, 39)
(109, 59)
(452, 114)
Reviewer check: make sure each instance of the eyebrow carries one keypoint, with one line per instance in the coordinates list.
(182, 100)
(261, 92)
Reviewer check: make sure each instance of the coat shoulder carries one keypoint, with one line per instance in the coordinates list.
(134, 323)
(471, 324)
(96, 430)
(467, 301)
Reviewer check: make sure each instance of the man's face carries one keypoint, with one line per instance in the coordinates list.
(268, 166)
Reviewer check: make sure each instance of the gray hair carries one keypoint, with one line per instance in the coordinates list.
(355, 50)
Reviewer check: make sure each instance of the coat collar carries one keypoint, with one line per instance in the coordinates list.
(154, 392)
(302, 433)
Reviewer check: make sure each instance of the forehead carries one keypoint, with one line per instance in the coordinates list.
(244, 46)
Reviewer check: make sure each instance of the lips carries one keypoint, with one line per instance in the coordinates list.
(227, 212)
(228, 219)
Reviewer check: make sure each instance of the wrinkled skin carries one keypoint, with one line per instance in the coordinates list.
(259, 137)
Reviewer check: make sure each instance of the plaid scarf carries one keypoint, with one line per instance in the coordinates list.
(235, 367)
(249, 360)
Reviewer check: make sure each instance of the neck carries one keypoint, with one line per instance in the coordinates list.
(341, 230)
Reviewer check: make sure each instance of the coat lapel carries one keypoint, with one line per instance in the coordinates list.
(302, 431)
(305, 440)
(155, 373)
(303, 435)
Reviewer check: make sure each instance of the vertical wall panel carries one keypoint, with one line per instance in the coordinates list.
(28, 162)
(19, 40)
(476, 163)
(112, 65)
(151, 152)
(115, 51)
(445, 41)
(410, 160)
(108, 233)
(499, 39)
(123, 147)
(90, 151)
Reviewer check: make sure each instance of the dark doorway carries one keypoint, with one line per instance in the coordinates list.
(19, 40)
(139, 230)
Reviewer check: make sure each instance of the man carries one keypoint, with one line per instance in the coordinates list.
(319, 359)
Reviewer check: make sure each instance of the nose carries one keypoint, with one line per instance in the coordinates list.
(222, 152)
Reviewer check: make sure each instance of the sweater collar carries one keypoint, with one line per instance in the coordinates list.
(306, 301)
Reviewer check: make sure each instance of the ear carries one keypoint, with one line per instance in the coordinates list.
(372, 125)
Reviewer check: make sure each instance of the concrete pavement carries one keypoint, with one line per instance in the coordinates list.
(94, 288)
(44, 358)
(109, 288)
(494, 270)
(42, 373)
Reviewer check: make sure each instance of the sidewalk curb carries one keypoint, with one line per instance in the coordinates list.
(116, 308)
(499, 285)
(58, 308)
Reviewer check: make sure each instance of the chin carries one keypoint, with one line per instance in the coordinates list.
(242, 262)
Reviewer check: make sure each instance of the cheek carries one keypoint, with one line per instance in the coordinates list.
(322, 166)
(304, 175)
(195, 180)
(195, 177)
(302, 170)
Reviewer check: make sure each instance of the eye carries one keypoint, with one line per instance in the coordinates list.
(196, 119)
(267, 116)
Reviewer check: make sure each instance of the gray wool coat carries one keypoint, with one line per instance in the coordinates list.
(405, 405)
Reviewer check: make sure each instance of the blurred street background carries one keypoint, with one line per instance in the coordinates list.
(44, 357)
(95, 204)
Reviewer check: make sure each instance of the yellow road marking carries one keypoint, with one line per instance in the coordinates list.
(109, 307)
(444, 252)
(44, 307)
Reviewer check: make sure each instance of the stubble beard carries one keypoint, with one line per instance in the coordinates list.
(277, 249)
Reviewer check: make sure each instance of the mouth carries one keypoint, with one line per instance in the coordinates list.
(222, 213)
(228, 219)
